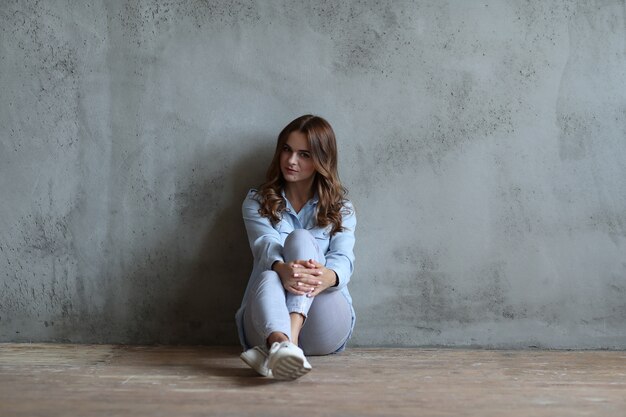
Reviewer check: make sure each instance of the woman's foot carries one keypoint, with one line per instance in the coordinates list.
(256, 358)
(287, 361)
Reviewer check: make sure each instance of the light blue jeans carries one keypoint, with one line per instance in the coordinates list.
(328, 315)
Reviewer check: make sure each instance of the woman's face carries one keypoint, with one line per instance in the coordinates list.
(296, 161)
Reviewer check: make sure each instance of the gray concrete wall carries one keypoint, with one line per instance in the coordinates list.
(483, 143)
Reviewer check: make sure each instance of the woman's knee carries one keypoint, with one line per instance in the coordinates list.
(268, 276)
(322, 348)
(299, 235)
(268, 280)
(301, 244)
(328, 325)
(323, 338)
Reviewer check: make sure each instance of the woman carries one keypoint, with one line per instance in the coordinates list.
(301, 231)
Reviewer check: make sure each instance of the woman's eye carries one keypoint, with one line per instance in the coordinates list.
(305, 155)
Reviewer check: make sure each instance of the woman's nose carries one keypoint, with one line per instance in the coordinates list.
(293, 158)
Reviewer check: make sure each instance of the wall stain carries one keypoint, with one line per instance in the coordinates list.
(367, 34)
(580, 116)
(431, 296)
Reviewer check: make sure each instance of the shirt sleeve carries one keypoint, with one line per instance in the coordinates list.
(264, 240)
(340, 255)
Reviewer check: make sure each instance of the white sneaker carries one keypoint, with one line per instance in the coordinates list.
(287, 361)
(256, 358)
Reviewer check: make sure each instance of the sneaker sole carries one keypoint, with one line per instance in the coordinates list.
(289, 368)
(252, 364)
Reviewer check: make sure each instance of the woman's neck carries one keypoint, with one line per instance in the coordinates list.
(298, 195)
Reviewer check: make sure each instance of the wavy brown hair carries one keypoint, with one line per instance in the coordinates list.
(332, 195)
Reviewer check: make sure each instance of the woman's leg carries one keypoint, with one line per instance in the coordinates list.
(300, 245)
(328, 324)
(266, 310)
(328, 316)
(272, 314)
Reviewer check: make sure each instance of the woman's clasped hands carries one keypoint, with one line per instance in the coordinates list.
(304, 277)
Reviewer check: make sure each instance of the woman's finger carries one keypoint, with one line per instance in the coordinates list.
(313, 282)
(305, 287)
(308, 263)
(308, 280)
(296, 290)
(314, 273)
(314, 263)
(314, 292)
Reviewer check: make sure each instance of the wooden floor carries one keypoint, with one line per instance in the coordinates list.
(78, 380)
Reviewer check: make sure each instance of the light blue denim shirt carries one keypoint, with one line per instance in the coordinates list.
(266, 242)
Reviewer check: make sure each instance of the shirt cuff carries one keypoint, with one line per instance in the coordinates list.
(343, 276)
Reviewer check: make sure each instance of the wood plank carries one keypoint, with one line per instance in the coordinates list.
(107, 380)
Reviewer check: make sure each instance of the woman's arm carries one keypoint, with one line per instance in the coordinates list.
(340, 255)
(264, 240)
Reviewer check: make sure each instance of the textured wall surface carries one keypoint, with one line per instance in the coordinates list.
(483, 143)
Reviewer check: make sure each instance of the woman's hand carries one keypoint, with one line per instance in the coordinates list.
(298, 277)
(304, 277)
(328, 278)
